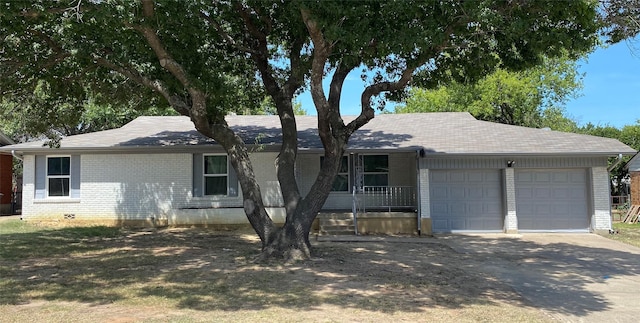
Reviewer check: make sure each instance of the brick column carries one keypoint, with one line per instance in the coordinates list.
(601, 218)
(424, 200)
(635, 188)
(511, 218)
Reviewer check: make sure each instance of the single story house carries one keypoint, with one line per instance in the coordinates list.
(432, 172)
(6, 176)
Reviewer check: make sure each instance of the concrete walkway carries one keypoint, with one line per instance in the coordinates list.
(572, 277)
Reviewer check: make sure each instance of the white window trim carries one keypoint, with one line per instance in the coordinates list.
(47, 177)
(375, 173)
(204, 175)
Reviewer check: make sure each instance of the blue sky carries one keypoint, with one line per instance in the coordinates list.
(611, 93)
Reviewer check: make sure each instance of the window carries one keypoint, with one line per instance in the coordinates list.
(341, 182)
(216, 175)
(375, 170)
(58, 176)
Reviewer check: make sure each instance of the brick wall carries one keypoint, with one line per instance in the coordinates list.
(139, 187)
(635, 188)
(6, 166)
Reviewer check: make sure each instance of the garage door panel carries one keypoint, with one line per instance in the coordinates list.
(475, 192)
(493, 193)
(438, 207)
(560, 177)
(542, 178)
(559, 200)
(456, 193)
(524, 193)
(542, 193)
(456, 177)
(457, 208)
(439, 193)
(473, 200)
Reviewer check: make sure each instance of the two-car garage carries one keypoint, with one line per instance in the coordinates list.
(473, 200)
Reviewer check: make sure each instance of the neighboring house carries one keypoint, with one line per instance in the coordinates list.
(633, 166)
(431, 172)
(6, 176)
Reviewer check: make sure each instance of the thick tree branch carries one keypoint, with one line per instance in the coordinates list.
(321, 51)
(225, 35)
(367, 113)
(156, 85)
(198, 111)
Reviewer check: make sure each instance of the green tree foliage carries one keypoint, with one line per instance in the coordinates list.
(42, 114)
(533, 97)
(622, 19)
(629, 135)
(207, 58)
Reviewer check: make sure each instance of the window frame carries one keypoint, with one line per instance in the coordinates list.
(347, 174)
(48, 177)
(205, 175)
(365, 173)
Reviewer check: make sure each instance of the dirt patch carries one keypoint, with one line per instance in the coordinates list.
(200, 275)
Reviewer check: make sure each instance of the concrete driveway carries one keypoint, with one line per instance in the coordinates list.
(571, 277)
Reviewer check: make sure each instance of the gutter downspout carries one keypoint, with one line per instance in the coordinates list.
(13, 153)
(418, 191)
(618, 161)
(13, 198)
(609, 169)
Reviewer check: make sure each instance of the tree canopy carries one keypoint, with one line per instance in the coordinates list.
(206, 58)
(532, 98)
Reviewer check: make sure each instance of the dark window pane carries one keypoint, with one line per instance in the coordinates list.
(341, 183)
(215, 185)
(376, 180)
(344, 165)
(215, 164)
(58, 187)
(376, 163)
(58, 166)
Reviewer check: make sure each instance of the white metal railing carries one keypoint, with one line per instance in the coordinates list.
(384, 198)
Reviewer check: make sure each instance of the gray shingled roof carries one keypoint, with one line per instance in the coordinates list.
(436, 133)
(5, 140)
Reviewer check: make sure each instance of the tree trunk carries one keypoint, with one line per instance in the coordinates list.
(290, 242)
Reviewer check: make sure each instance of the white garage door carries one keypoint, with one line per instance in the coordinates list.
(466, 200)
(552, 200)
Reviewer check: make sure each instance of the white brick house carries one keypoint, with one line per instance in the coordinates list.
(448, 171)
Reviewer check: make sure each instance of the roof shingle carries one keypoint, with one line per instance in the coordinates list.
(436, 133)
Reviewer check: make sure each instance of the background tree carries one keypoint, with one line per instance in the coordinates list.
(622, 19)
(204, 58)
(532, 98)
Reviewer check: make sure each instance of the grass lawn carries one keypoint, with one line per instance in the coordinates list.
(102, 274)
(627, 233)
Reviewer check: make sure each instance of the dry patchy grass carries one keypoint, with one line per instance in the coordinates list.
(627, 233)
(189, 275)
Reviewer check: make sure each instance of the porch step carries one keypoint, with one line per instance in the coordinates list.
(336, 224)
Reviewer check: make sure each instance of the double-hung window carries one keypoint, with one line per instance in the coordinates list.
(216, 175)
(375, 170)
(341, 183)
(58, 176)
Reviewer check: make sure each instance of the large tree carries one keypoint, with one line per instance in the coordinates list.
(203, 57)
(532, 98)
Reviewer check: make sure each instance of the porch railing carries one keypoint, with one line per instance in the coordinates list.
(386, 198)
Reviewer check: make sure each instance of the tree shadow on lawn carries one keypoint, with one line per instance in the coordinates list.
(557, 276)
(207, 270)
